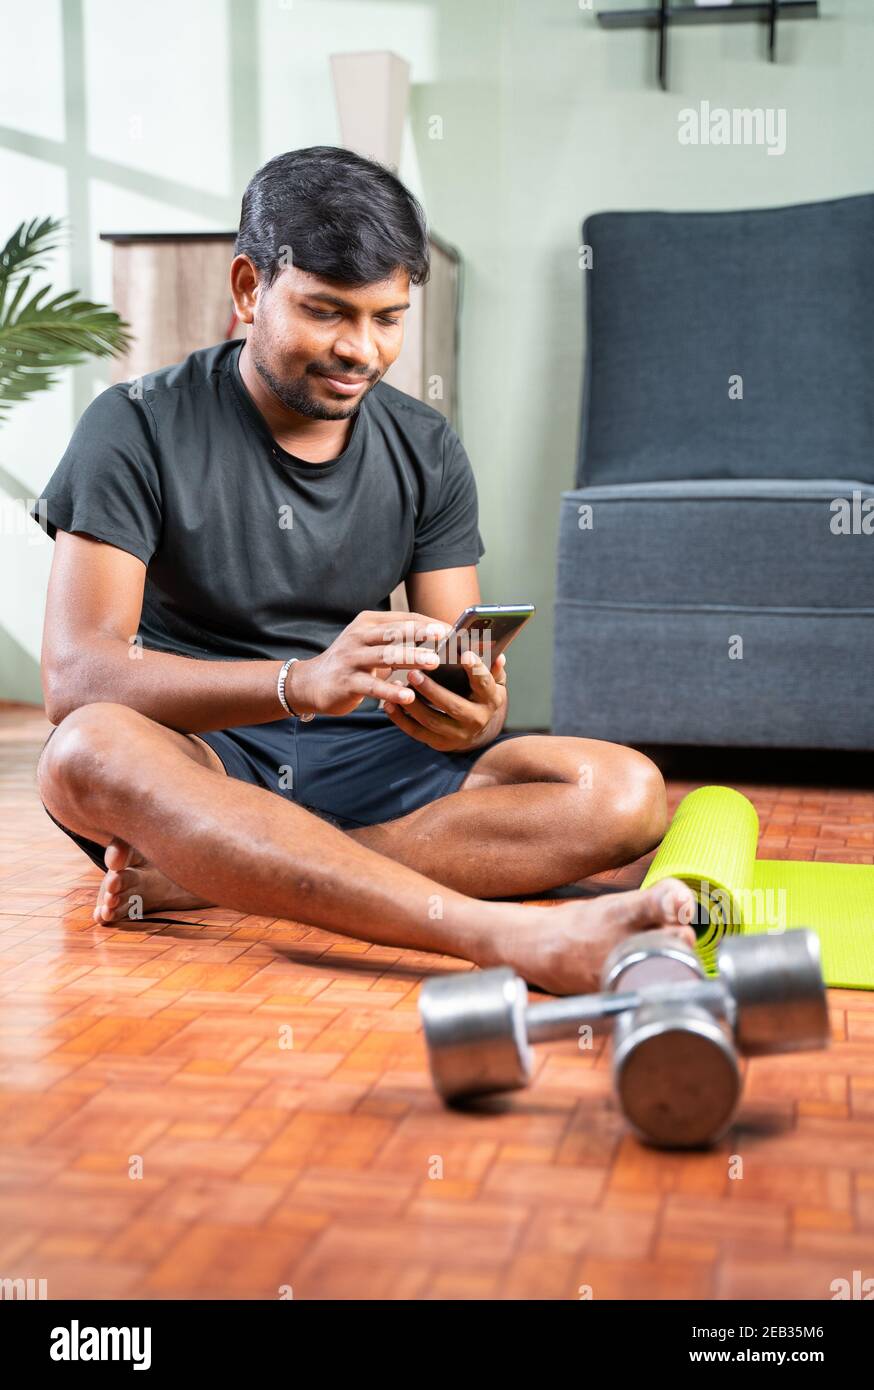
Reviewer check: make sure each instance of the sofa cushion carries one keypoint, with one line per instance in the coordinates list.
(651, 675)
(767, 544)
(677, 303)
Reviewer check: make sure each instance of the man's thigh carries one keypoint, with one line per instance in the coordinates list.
(546, 758)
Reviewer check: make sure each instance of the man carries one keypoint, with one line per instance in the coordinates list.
(227, 532)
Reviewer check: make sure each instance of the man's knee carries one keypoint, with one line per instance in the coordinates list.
(639, 802)
(78, 756)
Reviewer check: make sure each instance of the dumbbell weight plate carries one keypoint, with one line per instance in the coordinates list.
(676, 1075)
(778, 990)
(475, 1030)
(650, 958)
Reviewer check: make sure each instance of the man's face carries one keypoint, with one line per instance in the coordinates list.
(321, 345)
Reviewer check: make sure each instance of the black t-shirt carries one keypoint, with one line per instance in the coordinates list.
(251, 552)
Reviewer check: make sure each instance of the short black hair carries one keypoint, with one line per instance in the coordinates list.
(336, 215)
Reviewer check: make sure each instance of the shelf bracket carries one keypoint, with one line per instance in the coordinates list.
(772, 31)
(663, 15)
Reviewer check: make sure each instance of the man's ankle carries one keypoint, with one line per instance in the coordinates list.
(503, 934)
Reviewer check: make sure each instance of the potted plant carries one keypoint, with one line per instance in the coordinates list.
(37, 333)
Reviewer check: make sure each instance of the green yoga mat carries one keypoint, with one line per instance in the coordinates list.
(711, 845)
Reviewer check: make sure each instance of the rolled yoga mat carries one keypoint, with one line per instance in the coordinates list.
(711, 845)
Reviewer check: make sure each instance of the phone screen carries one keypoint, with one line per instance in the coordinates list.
(487, 629)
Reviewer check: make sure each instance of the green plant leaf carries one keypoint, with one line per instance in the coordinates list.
(39, 334)
(29, 244)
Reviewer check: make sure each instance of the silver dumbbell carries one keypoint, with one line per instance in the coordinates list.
(675, 1064)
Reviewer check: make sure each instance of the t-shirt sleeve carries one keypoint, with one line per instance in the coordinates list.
(448, 534)
(108, 484)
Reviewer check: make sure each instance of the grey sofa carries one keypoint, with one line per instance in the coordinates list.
(715, 578)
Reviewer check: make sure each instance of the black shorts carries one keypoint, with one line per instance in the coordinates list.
(358, 769)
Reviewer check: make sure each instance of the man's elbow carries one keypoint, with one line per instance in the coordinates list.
(59, 689)
(89, 674)
(56, 710)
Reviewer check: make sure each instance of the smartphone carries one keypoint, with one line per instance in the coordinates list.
(484, 628)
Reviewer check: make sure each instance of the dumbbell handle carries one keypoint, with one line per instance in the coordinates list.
(560, 1018)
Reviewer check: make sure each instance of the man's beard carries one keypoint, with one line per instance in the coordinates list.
(296, 396)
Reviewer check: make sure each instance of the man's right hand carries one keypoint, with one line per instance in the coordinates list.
(357, 662)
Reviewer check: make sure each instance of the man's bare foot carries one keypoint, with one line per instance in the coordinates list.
(564, 948)
(129, 876)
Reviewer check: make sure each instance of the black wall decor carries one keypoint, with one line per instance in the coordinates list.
(663, 15)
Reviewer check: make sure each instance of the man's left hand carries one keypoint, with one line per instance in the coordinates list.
(463, 722)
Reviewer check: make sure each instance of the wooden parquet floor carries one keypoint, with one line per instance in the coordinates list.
(160, 1139)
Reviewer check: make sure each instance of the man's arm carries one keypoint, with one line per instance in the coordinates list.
(443, 593)
(93, 608)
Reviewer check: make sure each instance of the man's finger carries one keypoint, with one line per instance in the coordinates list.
(397, 656)
(482, 682)
(408, 627)
(446, 701)
(434, 719)
(403, 719)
